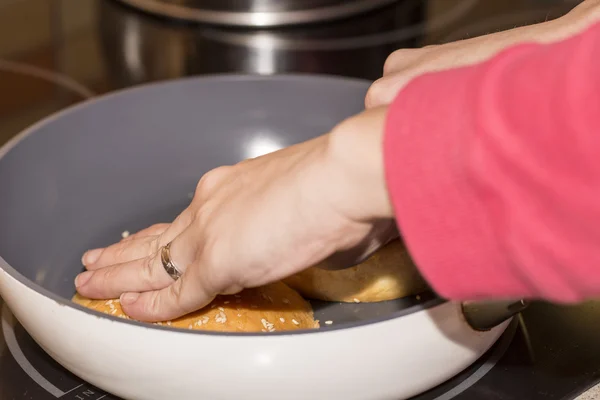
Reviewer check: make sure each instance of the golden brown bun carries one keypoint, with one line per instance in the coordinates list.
(387, 275)
(270, 308)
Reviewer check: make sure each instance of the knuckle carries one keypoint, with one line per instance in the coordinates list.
(346, 125)
(373, 97)
(119, 251)
(147, 272)
(164, 304)
(392, 61)
(214, 277)
(157, 227)
(202, 218)
(210, 180)
(175, 292)
(104, 279)
(201, 215)
(401, 59)
(155, 244)
(370, 98)
(152, 306)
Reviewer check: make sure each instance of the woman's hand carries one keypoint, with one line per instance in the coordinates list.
(405, 64)
(254, 223)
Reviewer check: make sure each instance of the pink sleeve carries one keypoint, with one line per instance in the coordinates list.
(494, 173)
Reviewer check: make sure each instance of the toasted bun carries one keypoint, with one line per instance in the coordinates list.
(270, 308)
(387, 275)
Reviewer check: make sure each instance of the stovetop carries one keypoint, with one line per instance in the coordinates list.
(56, 53)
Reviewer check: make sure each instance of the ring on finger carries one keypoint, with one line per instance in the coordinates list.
(168, 264)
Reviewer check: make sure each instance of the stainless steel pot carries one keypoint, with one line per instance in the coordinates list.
(138, 49)
(258, 13)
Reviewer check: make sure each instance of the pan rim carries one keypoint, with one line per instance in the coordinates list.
(37, 288)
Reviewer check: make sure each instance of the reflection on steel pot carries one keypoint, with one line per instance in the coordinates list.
(257, 13)
(141, 49)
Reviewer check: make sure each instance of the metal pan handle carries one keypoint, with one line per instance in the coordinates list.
(483, 316)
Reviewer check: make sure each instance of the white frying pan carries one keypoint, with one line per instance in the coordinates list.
(124, 161)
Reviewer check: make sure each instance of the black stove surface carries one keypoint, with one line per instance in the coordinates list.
(56, 53)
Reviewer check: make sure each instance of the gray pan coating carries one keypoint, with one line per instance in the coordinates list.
(127, 160)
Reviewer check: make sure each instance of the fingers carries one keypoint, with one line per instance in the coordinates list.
(191, 292)
(138, 275)
(120, 252)
(132, 269)
(181, 223)
(149, 240)
(110, 282)
(187, 294)
(144, 245)
(154, 230)
(135, 246)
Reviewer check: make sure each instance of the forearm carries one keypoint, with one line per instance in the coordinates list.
(356, 159)
(404, 65)
(494, 173)
(577, 20)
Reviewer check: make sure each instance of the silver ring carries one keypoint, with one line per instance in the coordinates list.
(168, 265)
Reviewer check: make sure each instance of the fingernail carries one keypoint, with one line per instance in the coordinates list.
(83, 278)
(91, 256)
(129, 298)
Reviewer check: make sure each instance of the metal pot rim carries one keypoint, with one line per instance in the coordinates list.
(257, 19)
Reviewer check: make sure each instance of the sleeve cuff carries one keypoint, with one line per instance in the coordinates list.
(440, 211)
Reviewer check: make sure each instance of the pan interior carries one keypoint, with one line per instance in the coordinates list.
(131, 159)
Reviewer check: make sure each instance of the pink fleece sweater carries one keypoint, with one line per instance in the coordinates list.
(494, 173)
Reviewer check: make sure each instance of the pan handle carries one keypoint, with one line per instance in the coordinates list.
(483, 316)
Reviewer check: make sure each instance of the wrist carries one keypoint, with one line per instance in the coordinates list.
(354, 158)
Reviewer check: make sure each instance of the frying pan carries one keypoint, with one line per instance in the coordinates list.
(77, 179)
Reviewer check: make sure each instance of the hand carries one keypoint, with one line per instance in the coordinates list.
(405, 64)
(254, 223)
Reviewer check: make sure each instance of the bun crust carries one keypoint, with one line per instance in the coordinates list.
(270, 308)
(387, 275)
